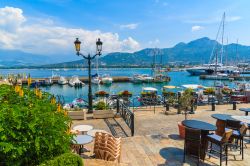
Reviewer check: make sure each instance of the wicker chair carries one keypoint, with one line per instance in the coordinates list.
(107, 147)
(233, 124)
(222, 142)
(192, 144)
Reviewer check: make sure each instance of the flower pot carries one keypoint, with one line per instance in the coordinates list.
(103, 114)
(77, 115)
(181, 130)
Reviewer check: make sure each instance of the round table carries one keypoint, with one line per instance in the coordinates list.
(83, 128)
(244, 119)
(221, 120)
(80, 141)
(92, 132)
(205, 128)
(197, 124)
(246, 110)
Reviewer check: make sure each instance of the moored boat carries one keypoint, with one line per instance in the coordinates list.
(75, 82)
(106, 79)
(62, 81)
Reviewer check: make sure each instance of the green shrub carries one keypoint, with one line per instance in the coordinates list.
(31, 129)
(67, 159)
(101, 106)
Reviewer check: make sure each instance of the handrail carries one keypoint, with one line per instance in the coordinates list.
(127, 115)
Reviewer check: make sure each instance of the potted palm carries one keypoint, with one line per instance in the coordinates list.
(102, 111)
(185, 103)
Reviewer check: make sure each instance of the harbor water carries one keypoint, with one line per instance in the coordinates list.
(70, 93)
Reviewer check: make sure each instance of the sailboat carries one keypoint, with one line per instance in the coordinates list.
(216, 70)
(159, 74)
(95, 78)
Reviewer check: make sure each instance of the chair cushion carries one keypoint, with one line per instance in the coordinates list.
(214, 138)
(236, 133)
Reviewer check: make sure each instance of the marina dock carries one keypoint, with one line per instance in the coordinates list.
(231, 78)
(83, 79)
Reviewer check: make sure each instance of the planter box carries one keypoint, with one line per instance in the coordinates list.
(102, 114)
(77, 115)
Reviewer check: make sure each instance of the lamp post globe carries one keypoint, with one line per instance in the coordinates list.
(77, 45)
(98, 46)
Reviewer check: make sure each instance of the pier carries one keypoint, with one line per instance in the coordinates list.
(231, 78)
(83, 79)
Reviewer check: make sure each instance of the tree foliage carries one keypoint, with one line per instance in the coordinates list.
(32, 129)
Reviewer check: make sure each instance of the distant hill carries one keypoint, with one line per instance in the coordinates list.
(197, 51)
(11, 58)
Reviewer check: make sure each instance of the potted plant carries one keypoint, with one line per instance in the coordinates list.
(76, 113)
(209, 91)
(186, 101)
(102, 111)
(125, 93)
(102, 94)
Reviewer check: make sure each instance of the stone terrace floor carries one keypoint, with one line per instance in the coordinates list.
(156, 141)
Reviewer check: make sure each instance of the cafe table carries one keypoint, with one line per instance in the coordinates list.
(83, 128)
(246, 110)
(80, 141)
(244, 119)
(205, 129)
(221, 120)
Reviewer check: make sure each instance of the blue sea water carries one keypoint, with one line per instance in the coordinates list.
(70, 93)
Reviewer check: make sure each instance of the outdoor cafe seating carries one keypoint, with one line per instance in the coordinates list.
(201, 138)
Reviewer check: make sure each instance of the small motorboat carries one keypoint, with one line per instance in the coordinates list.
(79, 102)
(62, 81)
(146, 78)
(75, 82)
(48, 82)
(96, 80)
(106, 79)
(137, 78)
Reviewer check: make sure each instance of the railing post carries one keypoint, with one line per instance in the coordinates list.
(117, 105)
(132, 124)
(234, 105)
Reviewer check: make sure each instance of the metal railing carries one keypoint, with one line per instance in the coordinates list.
(127, 115)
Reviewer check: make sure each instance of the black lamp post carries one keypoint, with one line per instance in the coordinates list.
(89, 58)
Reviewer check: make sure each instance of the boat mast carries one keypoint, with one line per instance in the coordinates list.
(222, 37)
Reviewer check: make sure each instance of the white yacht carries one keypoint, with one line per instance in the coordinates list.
(75, 82)
(96, 80)
(48, 82)
(137, 78)
(62, 80)
(106, 79)
(146, 78)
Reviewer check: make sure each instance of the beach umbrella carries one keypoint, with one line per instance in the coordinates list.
(193, 86)
(170, 87)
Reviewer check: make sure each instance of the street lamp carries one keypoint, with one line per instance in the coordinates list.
(89, 58)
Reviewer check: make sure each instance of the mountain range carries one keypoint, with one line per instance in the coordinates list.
(195, 52)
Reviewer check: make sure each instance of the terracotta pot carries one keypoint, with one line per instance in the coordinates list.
(181, 130)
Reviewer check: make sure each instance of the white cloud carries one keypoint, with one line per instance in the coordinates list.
(44, 37)
(196, 28)
(233, 18)
(129, 26)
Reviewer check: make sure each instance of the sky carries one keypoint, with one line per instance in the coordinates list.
(49, 27)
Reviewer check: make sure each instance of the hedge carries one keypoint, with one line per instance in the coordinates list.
(67, 159)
